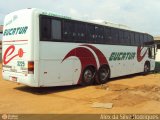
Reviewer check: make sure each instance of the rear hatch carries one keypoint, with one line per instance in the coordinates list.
(17, 47)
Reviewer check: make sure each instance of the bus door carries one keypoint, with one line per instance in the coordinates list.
(157, 57)
(151, 52)
(151, 56)
(157, 52)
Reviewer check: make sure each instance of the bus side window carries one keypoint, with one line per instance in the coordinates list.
(80, 32)
(99, 34)
(45, 29)
(150, 38)
(121, 36)
(90, 33)
(141, 39)
(132, 38)
(115, 35)
(137, 39)
(107, 35)
(68, 31)
(56, 30)
(145, 39)
(126, 38)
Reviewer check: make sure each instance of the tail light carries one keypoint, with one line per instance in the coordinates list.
(30, 67)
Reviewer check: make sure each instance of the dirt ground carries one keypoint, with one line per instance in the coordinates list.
(131, 94)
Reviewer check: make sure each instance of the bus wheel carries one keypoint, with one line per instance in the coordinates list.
(88, 76)
(103, 74)
(146, 67)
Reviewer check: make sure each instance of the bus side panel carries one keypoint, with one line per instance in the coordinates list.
(126, 66)
(53, 70)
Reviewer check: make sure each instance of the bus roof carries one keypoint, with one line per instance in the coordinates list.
(103, 23)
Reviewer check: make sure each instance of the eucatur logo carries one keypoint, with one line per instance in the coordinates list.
(9, 54)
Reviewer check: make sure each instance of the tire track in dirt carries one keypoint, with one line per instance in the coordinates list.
(123, 95)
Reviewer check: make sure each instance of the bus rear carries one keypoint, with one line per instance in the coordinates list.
(17, 48)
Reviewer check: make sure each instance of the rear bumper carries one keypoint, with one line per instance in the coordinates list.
(20, 78)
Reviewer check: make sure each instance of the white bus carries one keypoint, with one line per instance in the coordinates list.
(43, 49)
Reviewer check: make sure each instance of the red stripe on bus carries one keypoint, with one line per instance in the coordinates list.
(15, 41)
(139, 56)
(85, 56)
(101, 57)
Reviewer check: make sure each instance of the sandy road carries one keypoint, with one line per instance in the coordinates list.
(132, 94)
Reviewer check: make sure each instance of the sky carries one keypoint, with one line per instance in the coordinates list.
(140, 15)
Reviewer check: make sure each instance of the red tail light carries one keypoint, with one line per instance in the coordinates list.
(30, 67)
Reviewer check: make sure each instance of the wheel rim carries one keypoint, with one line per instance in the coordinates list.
(104, 74)
(88, 75)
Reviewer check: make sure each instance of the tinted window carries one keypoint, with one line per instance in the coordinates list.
(121, 36)
(45, 32)
(99, 34)
(132, 38)
(80, 32)
(150, 38)
(90, 33)
(107, 35)
(56, 30)
(145, 38)
(68, 30)
(114, 35)
(141, 39)
(137, 40)
(126, 38)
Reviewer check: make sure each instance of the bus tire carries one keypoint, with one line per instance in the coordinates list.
(103, 74)
(146, 67)
(88, 76)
